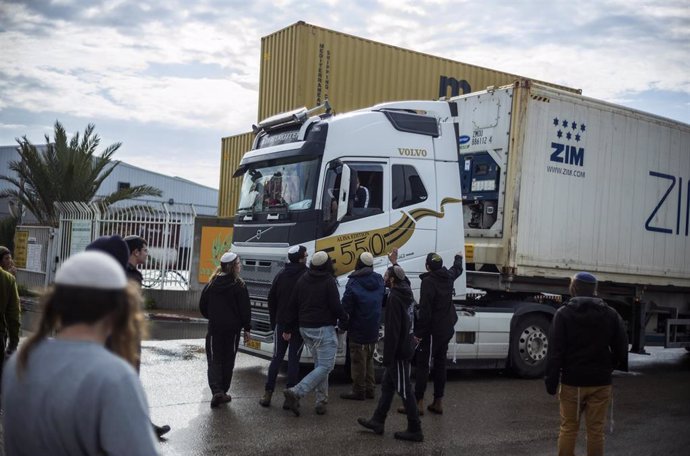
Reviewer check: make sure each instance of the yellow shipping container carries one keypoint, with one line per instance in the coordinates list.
(304, 65)
(233, 148)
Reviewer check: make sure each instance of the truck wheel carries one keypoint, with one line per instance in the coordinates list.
(529, 344)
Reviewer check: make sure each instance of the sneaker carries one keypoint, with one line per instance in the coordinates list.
(353, 396)
(372, 424)
(292, 401)
(226, 398)
(320, 408)
(216, 400)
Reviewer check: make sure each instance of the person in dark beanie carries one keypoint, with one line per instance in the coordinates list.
(435, 327)
(6, 263)
(587, 342)
(278, 302)
(225, 303)
(315, 308)
(398, 349)
(138, 253)
(362, 301)
(117, 248)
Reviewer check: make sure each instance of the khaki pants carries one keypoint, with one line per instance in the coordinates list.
(590, 401)
(362, 367)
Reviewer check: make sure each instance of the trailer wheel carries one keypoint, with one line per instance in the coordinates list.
(529, 345)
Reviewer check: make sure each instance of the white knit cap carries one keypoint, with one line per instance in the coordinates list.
(228, 257)
(319, 258)
(367, 259)
(92, 269)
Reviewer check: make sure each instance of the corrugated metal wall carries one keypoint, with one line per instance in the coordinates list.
(302, 65)
(233, 148)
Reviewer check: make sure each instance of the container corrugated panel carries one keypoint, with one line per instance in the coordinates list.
(233, 148)
(602, 188)
(303, 65)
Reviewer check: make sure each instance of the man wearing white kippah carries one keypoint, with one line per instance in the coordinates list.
(278, 301)
(315, 307)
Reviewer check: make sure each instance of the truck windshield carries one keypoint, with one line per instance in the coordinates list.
(279, 184)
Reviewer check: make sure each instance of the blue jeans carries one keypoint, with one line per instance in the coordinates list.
(322, 343)
(280, 346)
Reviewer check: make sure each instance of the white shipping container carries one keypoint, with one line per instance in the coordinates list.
(580, 184)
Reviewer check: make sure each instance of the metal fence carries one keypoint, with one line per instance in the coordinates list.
(168, 230)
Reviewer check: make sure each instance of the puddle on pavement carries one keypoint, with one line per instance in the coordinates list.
(158, 329)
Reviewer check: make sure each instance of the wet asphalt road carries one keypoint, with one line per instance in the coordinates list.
(486, 412)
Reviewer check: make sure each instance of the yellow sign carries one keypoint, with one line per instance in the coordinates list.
(215, 241)
(469, 253)
(344, 249)
(21, 243)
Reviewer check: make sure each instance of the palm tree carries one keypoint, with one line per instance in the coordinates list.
(66, 170)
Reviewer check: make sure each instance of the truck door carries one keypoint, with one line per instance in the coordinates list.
(413, 219)
(359, 211)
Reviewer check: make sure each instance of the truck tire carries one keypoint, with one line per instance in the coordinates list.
(529, 345)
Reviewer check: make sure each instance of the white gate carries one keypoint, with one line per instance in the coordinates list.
(168, 230)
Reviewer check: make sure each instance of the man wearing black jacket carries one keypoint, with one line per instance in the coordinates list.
(435, 327)
(278, 301)
(397, 352)
(315, 308)
(587, 342)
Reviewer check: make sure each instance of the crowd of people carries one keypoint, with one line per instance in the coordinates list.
(78, 370)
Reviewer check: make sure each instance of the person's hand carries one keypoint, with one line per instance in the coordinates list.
(393, 256)
(417, 340)
(286, 337)
(247, 336)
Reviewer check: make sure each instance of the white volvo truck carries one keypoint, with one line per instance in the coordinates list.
(532, 183)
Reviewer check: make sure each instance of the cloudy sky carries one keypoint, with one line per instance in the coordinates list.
(170, 78)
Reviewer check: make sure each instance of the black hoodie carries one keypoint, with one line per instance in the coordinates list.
(281, 290)
(587, 342)
(397, 342)
(315, 302)
(437, 316)
(225, 302)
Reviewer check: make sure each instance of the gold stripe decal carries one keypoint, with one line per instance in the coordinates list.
(344, 249)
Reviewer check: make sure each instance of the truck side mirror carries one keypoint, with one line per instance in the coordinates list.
(343, 197)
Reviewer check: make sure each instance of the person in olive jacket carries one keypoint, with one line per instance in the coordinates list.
(225, 302)
(398, 349)
(435, 326)
(587, 342)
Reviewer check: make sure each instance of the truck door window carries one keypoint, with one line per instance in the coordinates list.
(366, 190)
(408, 188)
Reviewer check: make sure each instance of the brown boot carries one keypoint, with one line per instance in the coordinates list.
(266, 400)
(436, 407)
(420, 407)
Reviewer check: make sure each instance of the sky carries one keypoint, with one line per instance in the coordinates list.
(170, 78)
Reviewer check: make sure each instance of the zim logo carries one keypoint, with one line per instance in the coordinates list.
(566, 149)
